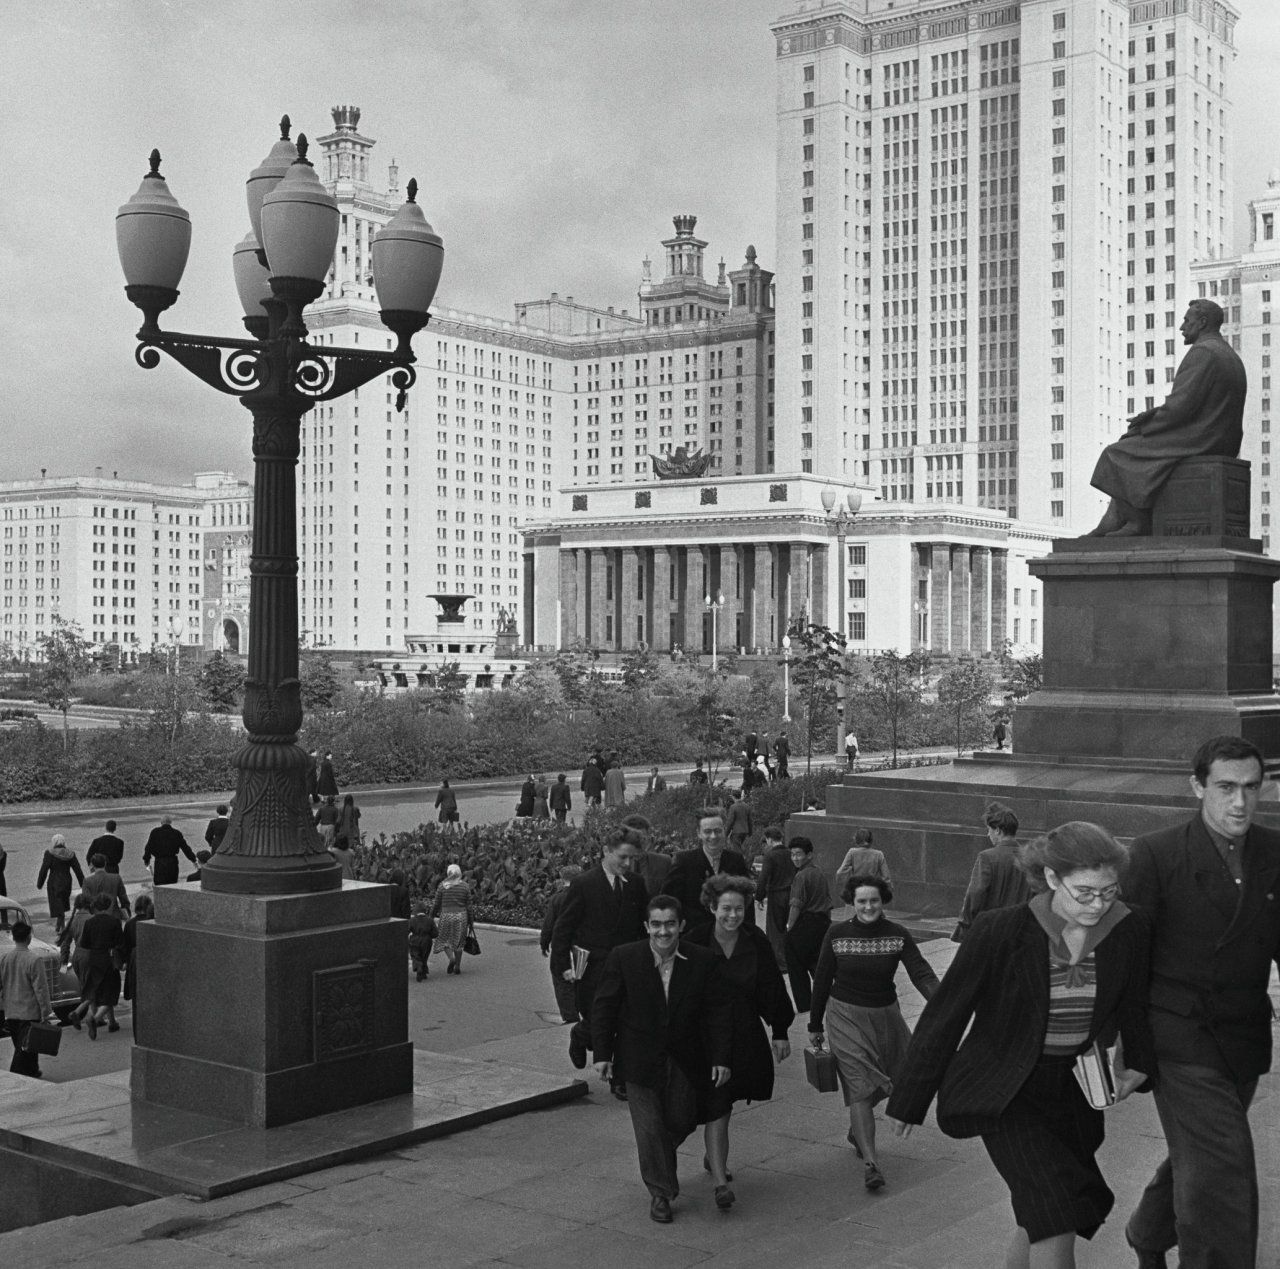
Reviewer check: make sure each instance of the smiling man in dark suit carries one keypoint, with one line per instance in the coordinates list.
(602, 909)
(662, 1023)
(692, 867)
(1212, 890)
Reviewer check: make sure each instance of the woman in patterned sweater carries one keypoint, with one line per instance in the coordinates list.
(854, 988)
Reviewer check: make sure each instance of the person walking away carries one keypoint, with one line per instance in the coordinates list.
(109, 846)
(24, 988)
(541, 799)
(692, 867)
(100, 881)
(566, 997)
(1040, 984)
(103, 939)
(854, 994)
(399, 895)
(863, 860)
(447, 808)
(163, 845)
(56, 868)
(143, 910)
(216, 829)
(999, 732)
(313, 778)
(69, 940)
(1209, 887)
(851, 751)
(773, 889)
(737, 825)
(997, 880)
(603, 909)
(326, 783)
(698, 775)
(346, 833)
(326, 821)
(655, 783)
(662, 1025)
(782, 755)
(808, 919)
(452, 913)
(422, 931)
(615, 787)
(560, 799)
(528, 791)
(759, 1000)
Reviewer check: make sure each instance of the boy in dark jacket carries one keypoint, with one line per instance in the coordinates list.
(422, 931)
(566, 996)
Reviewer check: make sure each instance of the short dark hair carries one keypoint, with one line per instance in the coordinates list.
(144, 906)
(1227, 749)
(664, 903)
(111, 826)
(636, 820)
(851, 888)
(708, 812)
(801, 843)
(103, 902)
(773, 833)
(1001, 818)
(1072, 847)
(99, 860)
(222, 808)
(721, 883)
(21, 932)
(862, 837)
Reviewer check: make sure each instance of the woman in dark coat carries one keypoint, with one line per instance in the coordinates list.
(1041, 983)
(103, 939)
(143, 910)
(56, 868)
(750, 969)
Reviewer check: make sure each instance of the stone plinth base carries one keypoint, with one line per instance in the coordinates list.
(264, 1010)
(928, 820)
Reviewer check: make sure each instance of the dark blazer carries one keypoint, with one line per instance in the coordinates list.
(637, 1028)
(164, 842)
(110, 847)
(1000, 979)
(1212, 946)
(594, 917)
(592, 783)
(776, 874)
(690, 870)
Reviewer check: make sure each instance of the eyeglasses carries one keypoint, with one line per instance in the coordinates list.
(1087, 895)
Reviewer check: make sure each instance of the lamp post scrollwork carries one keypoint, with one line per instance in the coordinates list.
(280, 267)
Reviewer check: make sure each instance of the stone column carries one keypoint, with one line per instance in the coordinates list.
(960, 599)
(731, 588)
(940, 598)
(631, 607)
(582, 571)
(694, 588)
(762, 597)
(659, 601)
(599, 598)
(999, 598)
(821, 610)
(569, 614)
(980, 600)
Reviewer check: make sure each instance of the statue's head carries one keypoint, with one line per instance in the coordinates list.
(1202, 315)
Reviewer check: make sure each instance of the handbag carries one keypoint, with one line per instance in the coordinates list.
(820, 1068)
(42, 1037)
(471, 944)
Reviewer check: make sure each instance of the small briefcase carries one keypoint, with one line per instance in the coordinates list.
(42, 1037)
(820, 1069)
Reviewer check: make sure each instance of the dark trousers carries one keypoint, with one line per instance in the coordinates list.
(1204, 1196)
(562, 814)
(661, 1119)
(775, 925)
(566, 998)
(781, 771)
(804, 942)
(23, 1063)
(585, 993)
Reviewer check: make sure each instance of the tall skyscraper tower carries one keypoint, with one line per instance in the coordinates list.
(973, 229)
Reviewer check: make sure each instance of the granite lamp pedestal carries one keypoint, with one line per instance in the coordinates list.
(267, 1009)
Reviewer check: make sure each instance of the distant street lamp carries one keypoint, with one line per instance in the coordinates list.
(176, 627)
(786, 678)
(272, 846)
(714, 607)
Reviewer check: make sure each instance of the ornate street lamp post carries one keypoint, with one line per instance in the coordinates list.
(272, 846)
(714, 607)
(786, 678)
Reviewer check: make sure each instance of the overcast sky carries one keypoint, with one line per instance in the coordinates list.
(552, 140)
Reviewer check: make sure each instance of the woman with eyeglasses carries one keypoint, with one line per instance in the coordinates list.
(1041, 983)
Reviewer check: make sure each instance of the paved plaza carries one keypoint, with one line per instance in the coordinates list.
(561, 1188)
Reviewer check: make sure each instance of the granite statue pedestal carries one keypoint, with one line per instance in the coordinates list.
(265, 1010)
(1151, 646)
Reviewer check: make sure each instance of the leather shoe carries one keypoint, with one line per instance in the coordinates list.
(619, 1090)
(577, 1052)
(1147, 1259)
(660, 1210)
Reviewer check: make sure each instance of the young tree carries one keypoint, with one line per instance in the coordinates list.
(710, 723)
(640, 669)
(168, 700)
(65, 655)
(817, 667)
(893, 688)
(449, 691)
(221, 683)
(965, 690)
(318, 681)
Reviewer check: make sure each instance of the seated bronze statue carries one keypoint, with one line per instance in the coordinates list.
(1202, 415)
